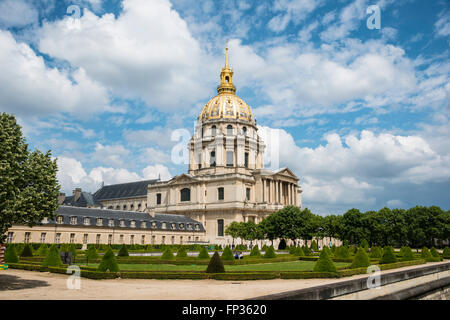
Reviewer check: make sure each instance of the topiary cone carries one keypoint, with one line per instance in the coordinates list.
(324, 263)
(227, 254)
(11, 255)
(215, 264)
(108, 262)
(52, 259)
(361, 259)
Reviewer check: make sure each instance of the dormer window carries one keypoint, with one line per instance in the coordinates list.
(99, 221)
(133, 224)
(73, 220)
(172, 225)
(45, 220)
(164, 226)
(59, 220)
(181, 226)
(197, 227)
(153, 225)
(143, 225)
(111, 223)
(122, 223)
(189, 226)
(87, 221)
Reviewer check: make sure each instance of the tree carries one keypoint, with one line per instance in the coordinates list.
(270, 253)
(388, 255)
(27, 252)
(227, 254)
(123, 252)
(299, 252)
(167, 254)
(361, 259)
(108, 262)
(11, 255)
(233, 230)
(28, 186)
(91, 254)
(203, 254)
(215, 264)
(324, 263)
(52, 259)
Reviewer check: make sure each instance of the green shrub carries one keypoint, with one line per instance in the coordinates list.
(64, 248)
(227, 254)
(434, 253)
(264, 248)
(27, 251)
(376, 252)
(123, 252)
(270, 253)
(108, 262)
(182, 252)
(11, 255)
(306, 250)
(406, 254)
(240, 247)
(255, 252)
(218, 247)
(364, 244)
(427, 256)
(292, 249)
(282, 244)
(91, 254)
(299, 251)
(342, 252)
(324, 263)
(42, 251)
(325, 248)
(52, 259)
(361, 259)
(314, 246)
(215, 264)
(203, 254)
(388, 255)
(446, 253)
(333, 248)
(72, 248)
(167, 254)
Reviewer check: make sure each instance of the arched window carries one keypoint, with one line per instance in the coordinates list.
(213, 131)
(185, 194)
(227, 79)
(244, 131)
(229, 130)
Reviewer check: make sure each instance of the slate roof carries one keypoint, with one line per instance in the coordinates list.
(123, 190)
(127, 217)
(85, 199)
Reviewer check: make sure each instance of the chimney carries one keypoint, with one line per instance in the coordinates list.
(76, 194)
(61, 197)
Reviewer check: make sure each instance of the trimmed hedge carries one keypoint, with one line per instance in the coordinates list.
(215, 264)
(182, 252)
(167, 255)
(324, 264)
(406, 254)
(388, 255)
(52, 258)
(426, 255)
(11, 255)
(255, 252)
(446, 253)
(270, 253)
(308, 275)
(227, 254)
(203, 254)
(108, 263)
(342, 252)
(42, 251)
(123, 252)
(361, 259)
(245, 276)
(376, 252)
(27, 251)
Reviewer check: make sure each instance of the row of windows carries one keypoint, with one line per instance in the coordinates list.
(229, 158)
(125, 207)
(98, 238)
(229, 131)
(87, 222)
(185, 194)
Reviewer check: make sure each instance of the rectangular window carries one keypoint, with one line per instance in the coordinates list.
(230, 158)
(221, 193)
(73, 220)
(10, 237)
(111, 223)
(43, 234)
(87, 221)
(99, 222)
(153, 239)
(58, 238)
(143, 239)
(132, 239)
(247, 194)
(212, 161)
(158, 198)
(220, 228)
(181, 239)
(246, 160)
(27, 237)
(97, 239)
(163, 240)
(72, 237)
(173, 239)
(110, 239)
(121, 239)
(85, 238)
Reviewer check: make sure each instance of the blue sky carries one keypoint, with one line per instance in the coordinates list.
(361, 115)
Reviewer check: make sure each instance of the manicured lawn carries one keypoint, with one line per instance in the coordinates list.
(278, 266)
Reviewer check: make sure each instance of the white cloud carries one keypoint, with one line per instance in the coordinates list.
(17, 13)
(28, 87)
(351, 169)
(294, 11)
(146, 52)
(72, 175)
(442, 26)
(114, 155)
(153, 155)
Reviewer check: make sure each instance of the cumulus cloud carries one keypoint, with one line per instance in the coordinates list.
(71, 174)
(293, 11)
(17, 13)
(146, 52)
(28, 87)
(114, 155)
(351, 169)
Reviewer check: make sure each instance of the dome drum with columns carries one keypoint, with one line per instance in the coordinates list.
(226, 180)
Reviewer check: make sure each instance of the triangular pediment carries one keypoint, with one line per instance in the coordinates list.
(286, 172)
(183, 178)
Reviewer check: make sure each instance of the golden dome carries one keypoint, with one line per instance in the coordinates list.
(226, 105)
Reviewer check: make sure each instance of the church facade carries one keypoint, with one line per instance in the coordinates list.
(226, 181)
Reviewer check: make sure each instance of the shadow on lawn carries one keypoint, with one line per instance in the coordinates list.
(9, 282)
